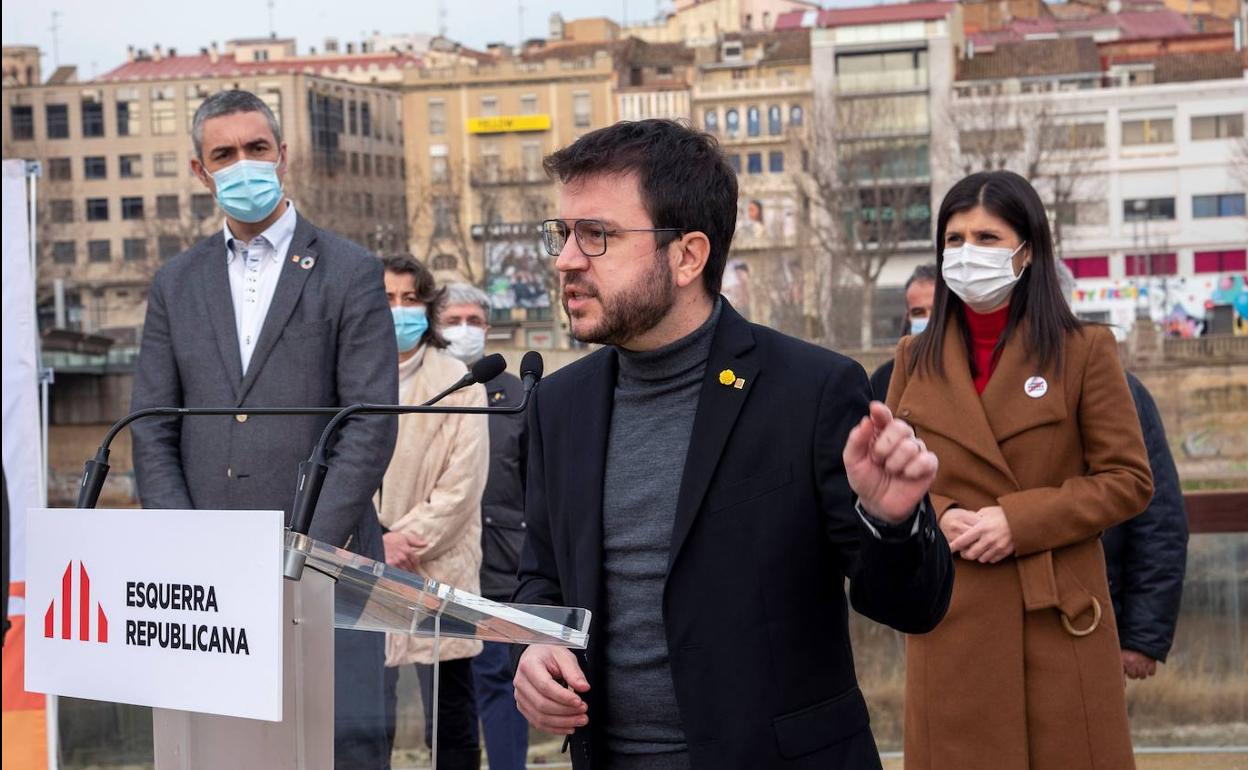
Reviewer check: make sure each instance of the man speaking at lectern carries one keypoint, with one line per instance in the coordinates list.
(272, 311)
(704, 486)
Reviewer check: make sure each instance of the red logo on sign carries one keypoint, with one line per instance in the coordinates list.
(84, 609)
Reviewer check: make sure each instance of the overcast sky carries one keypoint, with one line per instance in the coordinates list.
(94, 34)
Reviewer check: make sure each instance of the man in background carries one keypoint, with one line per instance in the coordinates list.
(920, 294)
(464, 325)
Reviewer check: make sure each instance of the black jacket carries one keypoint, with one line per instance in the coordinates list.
(502, 504)
(880, 379)
(765, 534)
(1147, 556)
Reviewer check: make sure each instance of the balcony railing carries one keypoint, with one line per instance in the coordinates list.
(881, 82)
(1215, 347)
(752, 86)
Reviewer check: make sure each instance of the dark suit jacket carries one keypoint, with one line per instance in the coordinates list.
(502, 503)
(765, 534)
(328, 340)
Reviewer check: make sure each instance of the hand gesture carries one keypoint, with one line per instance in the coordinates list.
(541, 694)
(888, 467)
(989, 539)
(1137, 665)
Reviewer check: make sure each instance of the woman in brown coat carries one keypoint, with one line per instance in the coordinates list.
(1040, 450)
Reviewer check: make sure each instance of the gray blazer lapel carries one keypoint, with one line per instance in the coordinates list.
(215, 278)
(289, 286)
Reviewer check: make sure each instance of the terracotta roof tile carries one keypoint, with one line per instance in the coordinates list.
(883, 14)
(202, 66)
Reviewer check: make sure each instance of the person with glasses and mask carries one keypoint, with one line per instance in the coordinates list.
(464, 321)
(704, 486)
(920, 293)
(1040, 451)
(430, 507)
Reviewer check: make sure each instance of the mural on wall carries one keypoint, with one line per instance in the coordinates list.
(736, 286)
(1187, 306)
(517, 270)
(765, 222)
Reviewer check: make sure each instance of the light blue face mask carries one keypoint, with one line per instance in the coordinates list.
(917, 325)
(410, 325)
(248, 190)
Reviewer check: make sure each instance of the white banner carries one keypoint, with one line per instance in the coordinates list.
(22, 449)
(171, 609)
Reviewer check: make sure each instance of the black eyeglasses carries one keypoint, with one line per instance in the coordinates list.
(591, 235)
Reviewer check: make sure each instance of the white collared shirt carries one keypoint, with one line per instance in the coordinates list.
(254, 268)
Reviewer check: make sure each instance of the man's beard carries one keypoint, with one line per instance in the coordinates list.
(632, 312)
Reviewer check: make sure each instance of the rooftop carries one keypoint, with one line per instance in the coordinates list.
(207, 65)
(1128, 25)
(1033, 58)
(885, 14)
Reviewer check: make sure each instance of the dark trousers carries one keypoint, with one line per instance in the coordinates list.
(359, 704)
(459, 741)
(506, 730)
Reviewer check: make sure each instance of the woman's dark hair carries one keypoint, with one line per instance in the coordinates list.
(685, 181)
(427, 291)
(1036, 302)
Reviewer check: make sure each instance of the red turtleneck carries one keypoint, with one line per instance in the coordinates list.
(986, 329)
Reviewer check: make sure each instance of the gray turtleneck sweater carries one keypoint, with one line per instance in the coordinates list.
(656, 396)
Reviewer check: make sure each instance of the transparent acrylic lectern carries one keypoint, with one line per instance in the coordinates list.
(340, 589)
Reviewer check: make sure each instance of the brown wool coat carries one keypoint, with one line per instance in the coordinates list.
(1000, 684)
(432, 488)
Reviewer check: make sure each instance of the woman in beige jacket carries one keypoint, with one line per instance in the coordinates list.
(430, 506)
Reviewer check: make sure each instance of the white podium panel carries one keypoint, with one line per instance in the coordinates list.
(170, 609)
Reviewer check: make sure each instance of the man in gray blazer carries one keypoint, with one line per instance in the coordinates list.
(272, 311)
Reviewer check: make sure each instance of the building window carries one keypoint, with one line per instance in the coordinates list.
(201, 205)
(355, 163)
(352, 122)
(489, 161)
(195, 96)
(168, 246)
(1228, 205)
(368, 204)
(62, 211)
(796, 113)
(92, 116)
(582, 110)
(775, 162)
(439, 169)
(165, 164)
(134, 249)
(94, 167)
(64, 252)
(1072, 136)
(437, 116)
(1148, 131)
(710, 121)
(1151, 264)
(368, 164)
(1088, 267)
(734, 162)
(774, 126)
(751, 121)
(129, 112)
(489, 106)
(130, 166)
(531, 156)
(132, 207)
(60, 169)
(164, 112)
(732, 123)
(528, 104)
(1140, 209)
(58, 120)
(1234, 261)
(271, 95)
(167, 207)
(97, 209)
(99, 251)
(22, 119)
(366, 119)
(1218, 126)
(754, 163)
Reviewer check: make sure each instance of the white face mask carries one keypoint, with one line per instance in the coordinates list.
(465, 342)
(982, 277)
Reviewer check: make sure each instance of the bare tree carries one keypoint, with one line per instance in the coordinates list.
(870, 198)
(1037, 137)
(1239, 160)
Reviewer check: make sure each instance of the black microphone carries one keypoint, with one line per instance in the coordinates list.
(482, 371)
(531, 368)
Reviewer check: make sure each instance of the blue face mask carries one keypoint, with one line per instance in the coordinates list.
(917, 325)
(410, 325)
(248, 190)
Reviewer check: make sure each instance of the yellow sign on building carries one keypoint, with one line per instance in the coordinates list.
(501, 124)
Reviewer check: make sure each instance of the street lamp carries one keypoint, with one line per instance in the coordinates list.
(1140, 206)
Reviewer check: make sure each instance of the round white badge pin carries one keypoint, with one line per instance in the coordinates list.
(1036, 387)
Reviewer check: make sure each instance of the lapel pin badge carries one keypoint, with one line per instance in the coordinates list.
(1035, 387)
(739, 384)
(727, 377)
(307, 262)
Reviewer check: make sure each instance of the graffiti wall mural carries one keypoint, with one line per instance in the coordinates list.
(1185, 306)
